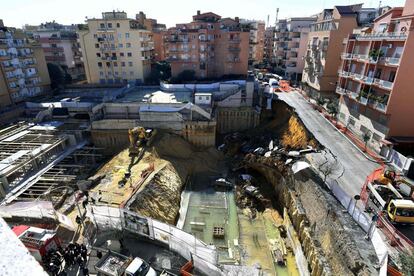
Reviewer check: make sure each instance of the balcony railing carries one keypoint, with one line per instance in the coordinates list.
(363, 100)
(369, 36)
(381, 107)
(384, 84)
(354, 95)
(343, 73)
(346, 55)
(342, 91)
(390, 61)
(360, 56)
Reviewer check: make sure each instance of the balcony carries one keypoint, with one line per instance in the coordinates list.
(380, 106)
(380, 36)
(234, 49)
(342, 91)
(363, 100)
(346, 55)
(384, 84)
(360, 57)
(354, 95)
(234, 40)
(390, 61)
(343, 73)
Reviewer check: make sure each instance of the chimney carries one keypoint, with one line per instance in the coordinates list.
(237, 19)
(198, 12)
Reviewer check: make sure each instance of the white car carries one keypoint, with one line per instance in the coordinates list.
(139, 267)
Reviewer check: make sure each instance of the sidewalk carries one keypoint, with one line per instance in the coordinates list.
(354, 139)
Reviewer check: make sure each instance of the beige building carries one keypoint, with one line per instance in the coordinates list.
(210, 46)
(325, 39)
(290, 45)
(115, 49)
(23, 69)
(375, 79)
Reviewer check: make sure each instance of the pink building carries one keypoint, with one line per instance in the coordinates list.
(375, 79)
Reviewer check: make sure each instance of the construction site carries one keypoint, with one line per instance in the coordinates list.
(181, 188)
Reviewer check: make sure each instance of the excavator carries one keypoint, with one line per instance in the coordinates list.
(139, 138)
(394, 195)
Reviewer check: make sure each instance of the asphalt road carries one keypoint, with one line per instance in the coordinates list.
(354, 164)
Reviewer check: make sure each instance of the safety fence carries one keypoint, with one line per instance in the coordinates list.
(204, 256)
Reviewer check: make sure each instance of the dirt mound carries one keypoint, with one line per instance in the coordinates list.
(282, 122)
(160, 198)
(174, 146)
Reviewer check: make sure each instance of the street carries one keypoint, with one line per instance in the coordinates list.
(355, 165)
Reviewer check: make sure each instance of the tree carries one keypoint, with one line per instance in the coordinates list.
(320, 101)
(161, 71)
(366, 138)
(186, 75)
(329, 166)
(407, 263)
(333, 110)
(58, 76)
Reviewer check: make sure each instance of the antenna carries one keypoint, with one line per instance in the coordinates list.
(277, 15)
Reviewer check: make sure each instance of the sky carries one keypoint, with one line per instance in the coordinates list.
(16, 13)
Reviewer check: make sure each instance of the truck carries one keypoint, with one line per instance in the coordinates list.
(115, 264)
(386, 198)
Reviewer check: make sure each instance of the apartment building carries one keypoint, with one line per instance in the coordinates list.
(23, 69)
(115, 49)
(268, 53)
(256, 40)
(60, 46)
(290, 45)
(210, 46)
(325, 38)
(158, 32)
(375, 79)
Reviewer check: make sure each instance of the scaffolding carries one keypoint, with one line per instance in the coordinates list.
(25, 149)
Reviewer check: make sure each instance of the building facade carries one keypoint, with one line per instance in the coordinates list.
(210, 46)
(115, 49)
(256, 40)
(23, 69)
(290, 45)
(268, 53)
(60, 46)
(325, 46)
(158, 32)
(375, 78)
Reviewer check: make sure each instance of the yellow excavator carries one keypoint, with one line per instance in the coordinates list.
(139, 137)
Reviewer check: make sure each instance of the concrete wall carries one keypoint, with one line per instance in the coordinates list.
(230, 119)
(112, 134)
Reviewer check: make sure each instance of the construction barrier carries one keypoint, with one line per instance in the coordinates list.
(204, 257)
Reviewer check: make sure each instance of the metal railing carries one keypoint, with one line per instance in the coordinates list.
(386, 35)
(383, 83)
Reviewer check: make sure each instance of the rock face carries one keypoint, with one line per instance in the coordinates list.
(160, 199)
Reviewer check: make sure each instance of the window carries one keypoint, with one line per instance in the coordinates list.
(120, 45)
(118, 25)
(53, 45)
(130, 63)
(109, 25)
(102, 25)
(97, 45)
(101, 73)
(129, 54)
(108, 64)
(115, 64)
(126, 35)
(128, 45)
(121, 54)
(123, 64)
(376, 137)
(351, 121)
(123, 73)
(99, 64)
(98, 54)
(116, 73)
(131, 73)
(119, 36)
